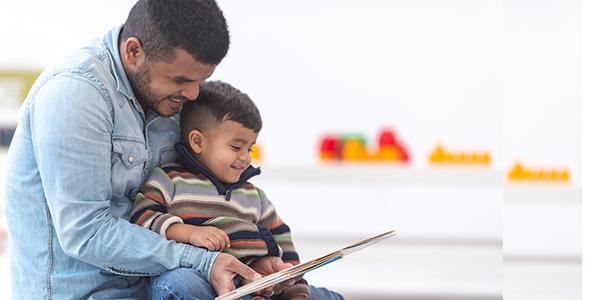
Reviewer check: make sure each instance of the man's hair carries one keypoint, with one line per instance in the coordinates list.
(196, 26)
(218, 102)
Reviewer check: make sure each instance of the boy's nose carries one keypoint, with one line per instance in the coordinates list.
(244, 156)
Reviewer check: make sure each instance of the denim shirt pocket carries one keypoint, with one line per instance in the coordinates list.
(131, 151)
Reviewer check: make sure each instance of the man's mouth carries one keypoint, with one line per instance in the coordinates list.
(177, 100)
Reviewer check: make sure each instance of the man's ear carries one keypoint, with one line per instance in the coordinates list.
(132, 53)
(196, 141)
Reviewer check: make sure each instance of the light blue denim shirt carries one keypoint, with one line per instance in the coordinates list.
(82, 147)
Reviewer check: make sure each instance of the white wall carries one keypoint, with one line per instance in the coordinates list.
(489, 75)
(474, 75)
(433, 70)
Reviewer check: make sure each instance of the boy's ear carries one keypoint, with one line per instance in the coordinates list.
(196, 141)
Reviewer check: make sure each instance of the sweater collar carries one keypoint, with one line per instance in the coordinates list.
(192, 165)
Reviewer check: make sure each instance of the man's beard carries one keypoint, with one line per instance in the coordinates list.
(140, 83)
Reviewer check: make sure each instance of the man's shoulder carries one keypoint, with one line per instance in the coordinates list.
(93, 63)
(90, 60)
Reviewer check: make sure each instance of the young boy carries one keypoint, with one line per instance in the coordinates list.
(205, 199)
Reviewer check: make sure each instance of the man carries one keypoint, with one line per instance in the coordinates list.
(91, 127)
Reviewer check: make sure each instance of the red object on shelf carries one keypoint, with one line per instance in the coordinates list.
(329, 148)
(387, 137)
(390, 147)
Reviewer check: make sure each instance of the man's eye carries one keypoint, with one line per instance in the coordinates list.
(236, 148)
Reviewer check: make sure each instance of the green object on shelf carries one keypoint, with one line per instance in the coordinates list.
(352, 136)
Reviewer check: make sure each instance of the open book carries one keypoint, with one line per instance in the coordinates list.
(300, 269)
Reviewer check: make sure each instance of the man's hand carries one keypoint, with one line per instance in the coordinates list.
(270, 264)
(209, 237)
(224, 269)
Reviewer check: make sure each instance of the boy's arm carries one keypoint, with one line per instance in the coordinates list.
(280, 231)
(151, 207)
(151, 210)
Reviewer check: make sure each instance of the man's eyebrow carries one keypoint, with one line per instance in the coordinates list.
(184, 79)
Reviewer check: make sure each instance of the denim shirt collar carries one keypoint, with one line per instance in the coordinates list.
(111, 42)
(192, 165)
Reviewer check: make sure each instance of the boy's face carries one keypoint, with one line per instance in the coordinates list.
(225, 150)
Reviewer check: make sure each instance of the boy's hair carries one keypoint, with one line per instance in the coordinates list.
(218, 102)
(196, 26)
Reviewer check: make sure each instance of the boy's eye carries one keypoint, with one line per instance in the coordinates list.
(236, 148)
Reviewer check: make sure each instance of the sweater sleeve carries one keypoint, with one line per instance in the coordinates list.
(280, 231)
(151, 207)
(282, 235)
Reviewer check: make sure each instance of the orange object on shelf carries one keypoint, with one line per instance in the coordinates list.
(389, 153)
(520, 173)
(354, 149)
(390, 147)
(255, 154)
(440, 155)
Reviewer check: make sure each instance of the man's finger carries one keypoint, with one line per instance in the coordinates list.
(244, 271)
(224, 287)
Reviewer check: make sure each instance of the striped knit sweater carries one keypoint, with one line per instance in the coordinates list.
(188, 193)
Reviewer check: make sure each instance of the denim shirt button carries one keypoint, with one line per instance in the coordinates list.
(130, 159)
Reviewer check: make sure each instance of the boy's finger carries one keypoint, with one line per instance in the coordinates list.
(226, 239)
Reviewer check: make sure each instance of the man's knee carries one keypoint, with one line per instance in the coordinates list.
(319, 293)
(180, 283)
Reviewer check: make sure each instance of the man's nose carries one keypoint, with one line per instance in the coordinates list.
(191, 91)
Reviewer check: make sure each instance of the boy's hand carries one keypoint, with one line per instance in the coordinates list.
(209, 237)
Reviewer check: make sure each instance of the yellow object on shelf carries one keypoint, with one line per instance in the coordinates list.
(441, 156)
(255, 154)
(15, 84)
(354, 150)
(520, 173)
(388, 153)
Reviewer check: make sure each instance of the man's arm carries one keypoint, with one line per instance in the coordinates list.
(71, 132)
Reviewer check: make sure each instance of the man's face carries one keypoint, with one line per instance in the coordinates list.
(165, 86)
(226, 150)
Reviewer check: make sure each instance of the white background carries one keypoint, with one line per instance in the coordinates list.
(501, 76)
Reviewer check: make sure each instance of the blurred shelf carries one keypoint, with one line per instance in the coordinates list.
(384, 174)
(538, 193)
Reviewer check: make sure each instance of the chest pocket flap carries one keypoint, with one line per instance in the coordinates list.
(131, 152)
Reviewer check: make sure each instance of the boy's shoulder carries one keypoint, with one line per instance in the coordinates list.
(174, 169)
(248, 188)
